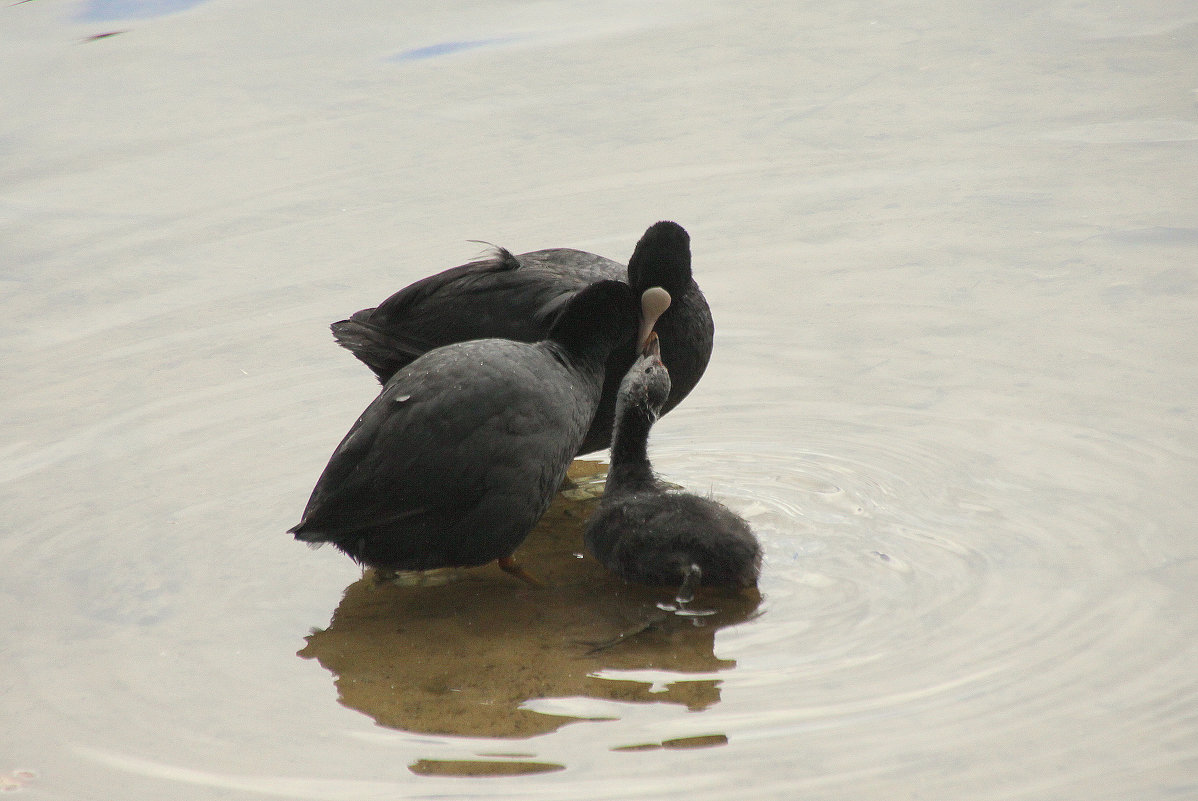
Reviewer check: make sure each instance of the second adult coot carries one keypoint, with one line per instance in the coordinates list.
(519, 296)
(460, 454)
(648, 533)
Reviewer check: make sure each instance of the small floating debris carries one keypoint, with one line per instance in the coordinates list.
(97, 36)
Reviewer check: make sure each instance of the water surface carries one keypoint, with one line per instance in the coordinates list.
(951, 254)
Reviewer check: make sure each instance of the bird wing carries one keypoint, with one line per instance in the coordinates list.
(433, 442)
(507, 296)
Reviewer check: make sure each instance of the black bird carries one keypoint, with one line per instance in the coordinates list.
(648, 533)
(518, 297)
(460, 454)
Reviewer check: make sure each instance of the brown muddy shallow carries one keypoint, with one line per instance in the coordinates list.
(465, 657)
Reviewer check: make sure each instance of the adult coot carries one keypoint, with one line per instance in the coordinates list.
(518, 297)
(460, 454)
(649, 534)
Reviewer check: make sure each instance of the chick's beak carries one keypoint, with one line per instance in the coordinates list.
(652, 346)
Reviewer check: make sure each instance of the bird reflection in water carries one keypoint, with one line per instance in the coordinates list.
(466, 657)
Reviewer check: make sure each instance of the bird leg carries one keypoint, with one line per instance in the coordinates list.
(691, 578)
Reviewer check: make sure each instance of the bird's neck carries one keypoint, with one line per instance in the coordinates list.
(630, 470)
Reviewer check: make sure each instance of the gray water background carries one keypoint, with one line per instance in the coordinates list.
(952, 253)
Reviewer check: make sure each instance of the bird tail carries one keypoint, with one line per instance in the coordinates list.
(383, 354)
(314, 538)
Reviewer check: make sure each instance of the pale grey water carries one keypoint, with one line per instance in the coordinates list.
(952, 252)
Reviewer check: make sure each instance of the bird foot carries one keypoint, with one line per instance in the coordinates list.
(692, 577)
(508, 565)
(651, 622)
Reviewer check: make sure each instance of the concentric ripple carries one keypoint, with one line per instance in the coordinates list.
(920, 595)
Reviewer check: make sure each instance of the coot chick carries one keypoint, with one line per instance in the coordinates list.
(648, 533)
(518, 297)
(460, 454)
